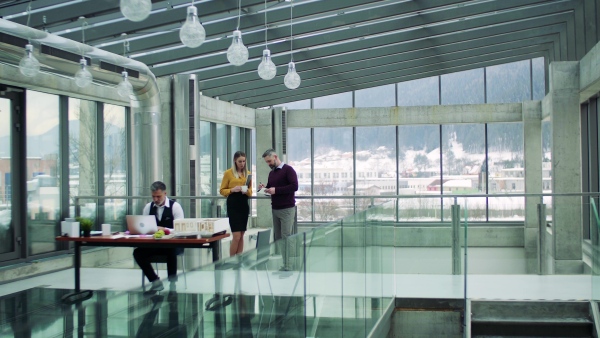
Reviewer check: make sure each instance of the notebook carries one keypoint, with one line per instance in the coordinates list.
(141, 225)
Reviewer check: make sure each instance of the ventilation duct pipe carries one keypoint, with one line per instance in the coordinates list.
(60, 56)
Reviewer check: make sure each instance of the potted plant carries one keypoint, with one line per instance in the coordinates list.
(85, 225)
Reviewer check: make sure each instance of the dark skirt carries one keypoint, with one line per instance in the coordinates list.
(237, 211)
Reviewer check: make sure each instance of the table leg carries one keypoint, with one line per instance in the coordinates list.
(216, 250)
(77, 295)
(77, 266)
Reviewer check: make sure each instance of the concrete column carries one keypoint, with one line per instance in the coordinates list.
(532, 139)
(264, 141)
(566, 166)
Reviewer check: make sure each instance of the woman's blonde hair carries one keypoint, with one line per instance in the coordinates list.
(237, 155)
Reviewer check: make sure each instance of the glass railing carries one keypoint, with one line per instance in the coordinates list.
(340, 280)
(346, 274)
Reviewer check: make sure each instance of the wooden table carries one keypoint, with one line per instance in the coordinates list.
(213, 243)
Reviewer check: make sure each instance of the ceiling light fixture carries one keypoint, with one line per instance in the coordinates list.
(192, 34)
(29, 65)
(125, 89)
(136, 10)
(292, 79)
(237, 53)
(266, 69)
(83, 77)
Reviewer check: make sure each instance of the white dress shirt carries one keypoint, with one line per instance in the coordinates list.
(175, 208)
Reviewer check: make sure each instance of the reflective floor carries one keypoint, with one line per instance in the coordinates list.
(39, 312)
(321, 303)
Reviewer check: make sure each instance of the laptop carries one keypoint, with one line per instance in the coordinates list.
(141, 225)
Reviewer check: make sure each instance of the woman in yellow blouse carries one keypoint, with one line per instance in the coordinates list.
(235, 189)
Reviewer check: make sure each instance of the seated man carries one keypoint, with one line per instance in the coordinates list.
(165, 210)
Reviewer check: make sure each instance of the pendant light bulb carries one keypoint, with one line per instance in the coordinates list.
(266, 68)
(125, 88)
(83, 77)
(292, 79)
(192, 34)
(237, 53)
(136, 10)
(29, 65)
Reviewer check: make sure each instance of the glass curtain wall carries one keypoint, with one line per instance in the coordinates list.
(418, 172)
(375, 150)
(115, 163)
(299, 157)
(223, 163)
(333, 172)
(83, 154)
(464, 158)
(218, 142)
(7, 229)
(43, 163)
(333, 153)
(205, 179)
(420, 92)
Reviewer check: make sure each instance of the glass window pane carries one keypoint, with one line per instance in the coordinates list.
(204, 163)
(547, 156)
(382, 96)
(419, 172)
(7, 243)
(505, 158)
(82, 154)
(463, 156)
(538, 78)
(223, 163)
(304, 104)
(342, 100)
(420, 92)
(115, 163)
(298, 154)
(333, 156)
(547, 165)
(236, 141)
(463, 87)
(43, 193)
(508, 82)
(375, 164)
(506, 171)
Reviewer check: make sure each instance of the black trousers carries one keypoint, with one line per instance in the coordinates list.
(142, 257)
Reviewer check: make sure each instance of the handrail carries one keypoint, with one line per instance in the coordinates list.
(363, 196)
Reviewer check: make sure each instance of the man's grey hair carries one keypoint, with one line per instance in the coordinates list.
(158, 185)
(269, 152)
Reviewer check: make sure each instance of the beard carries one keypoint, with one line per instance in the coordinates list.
(272, 166)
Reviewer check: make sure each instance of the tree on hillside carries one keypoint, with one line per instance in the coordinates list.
(421, 162)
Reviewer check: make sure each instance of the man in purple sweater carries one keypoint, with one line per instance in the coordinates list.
(282, 186)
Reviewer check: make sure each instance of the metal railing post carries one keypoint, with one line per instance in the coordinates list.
(542, 257)
(456, 263)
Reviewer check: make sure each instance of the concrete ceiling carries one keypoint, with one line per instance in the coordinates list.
(338, 45)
